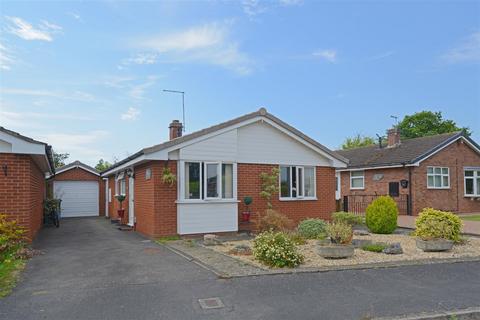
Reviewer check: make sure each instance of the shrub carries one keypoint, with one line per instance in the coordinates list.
(297, 238)
(312, 228)
(11, 238)
(381, 215)
(340, 232)
(347, 217)
(274, 221)
(374, 247)
(276, 249)
(436, 224)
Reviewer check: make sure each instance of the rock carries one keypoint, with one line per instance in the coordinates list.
(241, 249)
(358, 243)
(210, 239)
(360, 233)
(394, 248)
(434, 245)
(336, 251)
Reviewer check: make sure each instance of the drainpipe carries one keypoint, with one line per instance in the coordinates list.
(409, 203)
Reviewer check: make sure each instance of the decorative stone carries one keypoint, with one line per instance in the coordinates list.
(358, 243)
(360, 233)
(394, 248)
(434, 245)
(210, 239)
(241, 249)
(336, 251)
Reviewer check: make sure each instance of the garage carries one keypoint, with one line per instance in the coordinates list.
(78, 186)
(79, 198)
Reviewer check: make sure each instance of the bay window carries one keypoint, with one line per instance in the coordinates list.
(297, 182)
(208, 180)
(472, 182)
(438, 178)
(357, 179)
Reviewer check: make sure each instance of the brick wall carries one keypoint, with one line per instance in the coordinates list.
(249, 184)
(456, 156)
(78, 174)
(372, 186)
(22, 192)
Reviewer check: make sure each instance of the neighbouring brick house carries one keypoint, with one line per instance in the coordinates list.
(440, 171)
(24, 163)
(215, 169)
(80, 188)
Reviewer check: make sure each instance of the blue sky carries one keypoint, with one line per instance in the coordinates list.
(87, 77)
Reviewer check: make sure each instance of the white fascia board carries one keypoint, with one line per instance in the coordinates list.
(373, 168)
(21, 146)
(124, 166)
(448, 144)
(163, 154)
(78, 166)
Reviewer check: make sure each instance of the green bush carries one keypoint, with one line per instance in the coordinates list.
(436, 224)
(347, 217)
(381, 215)
(374, 247)
(276, 249)
(297, 238)
(11, 238)
(312, 228)
(340, 232)
(274, 221)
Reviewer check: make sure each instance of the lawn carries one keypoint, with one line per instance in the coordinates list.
(473, 217)
(9, 273)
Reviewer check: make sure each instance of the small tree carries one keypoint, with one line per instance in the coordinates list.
(357, 141)
(102, 165)
(59, 159)
(269, 185)
(427, 123)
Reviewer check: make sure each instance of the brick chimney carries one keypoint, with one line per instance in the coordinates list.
(176, 128)
(393, 137)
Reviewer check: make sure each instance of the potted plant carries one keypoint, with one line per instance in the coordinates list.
(246, 214)
(341, 235)
(437, 230)
(120, 198)
(168, 177)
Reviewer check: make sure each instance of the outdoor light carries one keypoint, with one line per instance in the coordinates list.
(5, 169)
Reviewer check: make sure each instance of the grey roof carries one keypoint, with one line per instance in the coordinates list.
(408, 152)
(261, 112)
(48, 148)
(75, 164)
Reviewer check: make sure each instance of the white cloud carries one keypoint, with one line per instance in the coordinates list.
(140, 58)
(34, 119)
(6, 57)
(117, 81)
(291, 2)
(131, 114)
(27, 31)
(327, 55)
(253, 7)
(75, 16)
(208, 43)
(76, 95)
(467, 51)
(137, 91)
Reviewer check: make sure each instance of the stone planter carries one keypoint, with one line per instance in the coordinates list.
(324, 242)
(336, 251)
(434, 245)
(358, 243)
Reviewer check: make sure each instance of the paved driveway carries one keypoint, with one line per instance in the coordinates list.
(93, 271)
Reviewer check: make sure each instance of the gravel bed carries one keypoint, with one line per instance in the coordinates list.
(470, 249)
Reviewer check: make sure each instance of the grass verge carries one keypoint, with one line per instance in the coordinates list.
(9, 274)
(474, 217)
(166, 239)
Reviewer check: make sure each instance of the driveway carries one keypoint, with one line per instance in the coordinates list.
(90, 270)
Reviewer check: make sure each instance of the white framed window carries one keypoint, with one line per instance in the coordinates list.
(471, 182)
(208, 180)
(438, 178)
(357, 180)
(297, 182)
(120, 184)
(109, 195)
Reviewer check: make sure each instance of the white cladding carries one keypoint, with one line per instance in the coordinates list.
(221, 147)
(206, 217)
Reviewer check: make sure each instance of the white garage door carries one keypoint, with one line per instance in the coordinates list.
(79, 198)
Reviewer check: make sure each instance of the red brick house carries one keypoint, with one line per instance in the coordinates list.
(215, 168)
(440, 171)
(80, 188)
(24, 163)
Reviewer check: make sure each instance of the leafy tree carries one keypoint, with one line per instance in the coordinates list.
(427, 123)
(59, 159)
(103, 165)
(357, 142)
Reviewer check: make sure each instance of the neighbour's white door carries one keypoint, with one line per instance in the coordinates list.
(107, 214)
(79, 198)
(338, 186)
(131, 201)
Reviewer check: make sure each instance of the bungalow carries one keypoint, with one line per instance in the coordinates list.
(24, 163)
(440, 171)
(210, 171)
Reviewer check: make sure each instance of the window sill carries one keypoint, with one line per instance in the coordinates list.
(357, 188)
(471, 195)
(298, 199)
(206, 201)
(431, 188)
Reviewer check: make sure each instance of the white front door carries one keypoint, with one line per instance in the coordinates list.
(107, 214)
(338, 185)
(131, 201)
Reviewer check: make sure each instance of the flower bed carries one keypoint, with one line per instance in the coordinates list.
(470, 249)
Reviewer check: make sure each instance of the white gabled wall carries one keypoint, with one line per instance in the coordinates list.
(222, 147)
